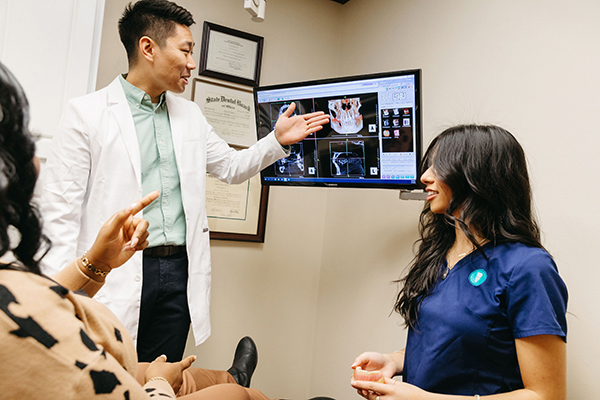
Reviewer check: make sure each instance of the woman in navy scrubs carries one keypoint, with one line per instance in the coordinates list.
(483, 301)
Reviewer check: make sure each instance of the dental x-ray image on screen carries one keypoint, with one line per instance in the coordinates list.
(293, 165)
(347, 158)
(345, 115)
(373, 138)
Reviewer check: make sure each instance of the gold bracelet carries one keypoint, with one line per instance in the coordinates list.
(158, 378)
(90, 267)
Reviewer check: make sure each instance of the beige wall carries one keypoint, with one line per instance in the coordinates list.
(318, 291)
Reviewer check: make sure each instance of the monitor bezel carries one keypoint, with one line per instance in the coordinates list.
(369, 184)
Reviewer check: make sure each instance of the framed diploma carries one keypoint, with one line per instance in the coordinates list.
(229, 108)
(230, 54)
(237, 212)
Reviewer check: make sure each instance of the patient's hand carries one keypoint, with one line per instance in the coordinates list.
(121, 236)
(172, 372)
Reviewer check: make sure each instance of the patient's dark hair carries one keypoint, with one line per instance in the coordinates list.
(485, 168)
(153, 18)
(18, 174)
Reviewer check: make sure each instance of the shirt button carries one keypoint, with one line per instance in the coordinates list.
(137, 278)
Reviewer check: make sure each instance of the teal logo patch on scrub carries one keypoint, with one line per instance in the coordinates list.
(477, 277)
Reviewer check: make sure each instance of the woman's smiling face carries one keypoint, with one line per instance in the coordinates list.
(438, 193)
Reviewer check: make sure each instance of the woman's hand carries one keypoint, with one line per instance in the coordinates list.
(390, 390)
(172, 372)
(388, 364)
(121, 236)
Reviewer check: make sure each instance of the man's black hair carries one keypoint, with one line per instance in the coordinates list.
(156, 19)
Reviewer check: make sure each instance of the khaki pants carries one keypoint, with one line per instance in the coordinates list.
(207, 384)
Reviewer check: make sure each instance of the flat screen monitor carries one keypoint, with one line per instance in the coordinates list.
(373, 138)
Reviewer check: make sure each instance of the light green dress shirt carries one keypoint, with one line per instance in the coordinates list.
(159, 167)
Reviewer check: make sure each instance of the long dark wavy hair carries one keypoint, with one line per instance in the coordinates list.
(485, 168)
(18, 174)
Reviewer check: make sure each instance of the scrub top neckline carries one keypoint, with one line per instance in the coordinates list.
(461, 263)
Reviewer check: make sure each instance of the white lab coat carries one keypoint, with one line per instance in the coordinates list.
(94, 170)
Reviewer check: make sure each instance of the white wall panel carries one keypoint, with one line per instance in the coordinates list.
(52, 48)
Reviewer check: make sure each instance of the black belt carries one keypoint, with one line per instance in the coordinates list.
(163, 251)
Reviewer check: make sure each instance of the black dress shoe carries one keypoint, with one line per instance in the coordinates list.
(244, 361)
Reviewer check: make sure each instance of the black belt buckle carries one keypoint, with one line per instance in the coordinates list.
(163, 251)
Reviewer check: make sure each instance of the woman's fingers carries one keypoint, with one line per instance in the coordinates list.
(131, 227)
(187, 362)
(374, 387)
(143, 202)
(119, 219)
(360, 361)
(161, 359)
(139, 235)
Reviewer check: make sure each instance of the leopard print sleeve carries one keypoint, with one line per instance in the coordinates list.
(56, 346)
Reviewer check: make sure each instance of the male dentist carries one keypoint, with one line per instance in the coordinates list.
(131, 138)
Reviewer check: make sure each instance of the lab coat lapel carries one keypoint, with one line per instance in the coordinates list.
(117, 103)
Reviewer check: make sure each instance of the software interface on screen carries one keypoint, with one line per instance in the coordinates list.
(371, 135)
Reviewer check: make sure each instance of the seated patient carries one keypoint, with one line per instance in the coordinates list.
(57, 344)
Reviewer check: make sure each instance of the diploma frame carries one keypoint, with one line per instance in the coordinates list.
(238, 230)
(203, 86)
(251, 64)
(259, 236)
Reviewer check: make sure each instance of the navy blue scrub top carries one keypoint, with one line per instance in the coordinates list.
(464, 342)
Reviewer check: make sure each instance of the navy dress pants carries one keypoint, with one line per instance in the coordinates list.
(164, 313)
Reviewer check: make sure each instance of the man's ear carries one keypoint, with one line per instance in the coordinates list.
(147, 48)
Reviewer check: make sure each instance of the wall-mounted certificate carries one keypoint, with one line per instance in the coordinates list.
(236, 212)
(229, 108)
(230, 54)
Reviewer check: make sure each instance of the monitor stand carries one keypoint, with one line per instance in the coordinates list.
(413, 194)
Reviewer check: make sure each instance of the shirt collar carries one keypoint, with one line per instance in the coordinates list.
(138, 98)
